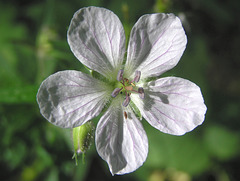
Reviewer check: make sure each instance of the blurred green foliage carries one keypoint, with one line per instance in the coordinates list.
(33, 46)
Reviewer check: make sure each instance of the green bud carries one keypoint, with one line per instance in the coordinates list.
(82, 138)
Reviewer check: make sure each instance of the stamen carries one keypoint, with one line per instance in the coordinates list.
(115, 92)
(125, 80)
(120, 75)
(137, 76)
(128, 87)
(126, 101)
(141, 92)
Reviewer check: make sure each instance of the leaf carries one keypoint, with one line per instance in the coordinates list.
(184, 153)
(221, 142)
(18, 94)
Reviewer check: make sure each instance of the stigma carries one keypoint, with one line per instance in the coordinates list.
(128, 87)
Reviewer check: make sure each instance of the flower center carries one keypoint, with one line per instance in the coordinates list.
(128, 87)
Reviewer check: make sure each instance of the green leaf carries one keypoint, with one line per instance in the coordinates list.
(185, 153)
(23, 94)
(221, 142)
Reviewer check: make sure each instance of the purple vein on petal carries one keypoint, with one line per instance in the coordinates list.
(110, 134)
(162, 64)
(135, 44)
(66, 98)
(153, 43)
(75, 82)
(110, 41)
(79, 85)
(82, 105)
(142, 145)
(79, 77)
(94, 55)
(68, 85)
(177, 106)
(133, 140)
(165, 115)
(119, 47)
(110, 127)
(88, 81)
(90, 51)
(142, 42)
(176, 93)
(167, 51)
(154, 116)
(94, 108)
(106, 122)
(160, 36)
(169, 85)
(94, 34)
(147, 53)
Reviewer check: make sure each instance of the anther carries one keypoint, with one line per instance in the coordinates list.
(125, 80)
(115, 92)
(125, 115)
(120, 75)
(137, 76)
(141, 92)
(133, 84)
(126, 101)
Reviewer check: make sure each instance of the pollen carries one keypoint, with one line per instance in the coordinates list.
(125, 115)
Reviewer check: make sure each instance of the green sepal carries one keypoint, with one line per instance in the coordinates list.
(101, 77)
(82, 139)
(75, 156)
(88, 69)
(135, 110)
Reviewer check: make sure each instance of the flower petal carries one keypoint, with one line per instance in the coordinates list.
(96, 37)
(172, 105)
(121, 140)
(70, 98)
(157, 42)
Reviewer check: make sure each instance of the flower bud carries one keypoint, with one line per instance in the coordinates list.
(82, 138)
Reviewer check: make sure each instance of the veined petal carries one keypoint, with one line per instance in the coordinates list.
(172, 105)
(70, 98)
(157, 42)
(96, 37)
(121, 140)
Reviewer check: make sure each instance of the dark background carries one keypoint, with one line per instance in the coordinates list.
(33, 46)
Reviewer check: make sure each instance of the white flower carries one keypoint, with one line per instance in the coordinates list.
(172, 105)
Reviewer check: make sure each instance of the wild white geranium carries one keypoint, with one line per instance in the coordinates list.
(128, 91)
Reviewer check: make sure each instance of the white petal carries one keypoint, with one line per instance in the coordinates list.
(70, 98)
(121, 141)
(96, 37)
(172, 105)
(157, 42)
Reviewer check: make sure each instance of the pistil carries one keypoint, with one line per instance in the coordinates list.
(128, 87)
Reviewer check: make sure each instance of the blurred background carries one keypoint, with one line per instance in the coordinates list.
(33, 45)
